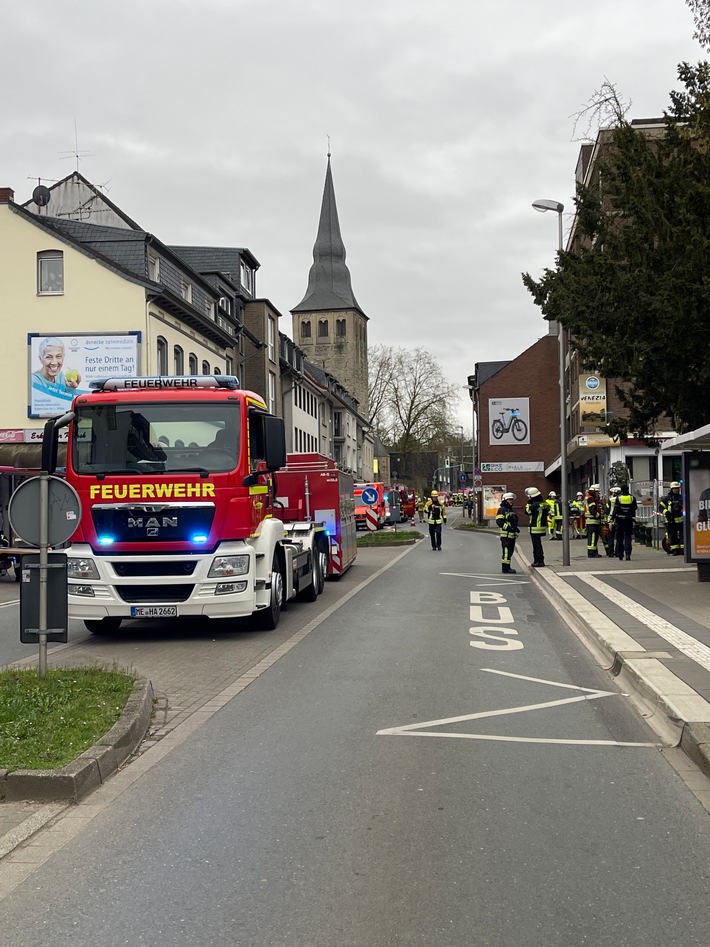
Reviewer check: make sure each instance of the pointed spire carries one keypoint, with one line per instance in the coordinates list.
(329, 286)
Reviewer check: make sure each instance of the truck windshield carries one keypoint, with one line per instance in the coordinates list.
(165, 437)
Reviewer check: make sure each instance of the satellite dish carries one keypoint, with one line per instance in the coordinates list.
(41, 195)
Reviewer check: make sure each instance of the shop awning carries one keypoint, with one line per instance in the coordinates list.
(693, 440)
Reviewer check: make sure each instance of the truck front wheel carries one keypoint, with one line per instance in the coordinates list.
(103, 626)
(268, 618)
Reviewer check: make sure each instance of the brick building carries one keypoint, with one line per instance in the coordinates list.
(517, 458)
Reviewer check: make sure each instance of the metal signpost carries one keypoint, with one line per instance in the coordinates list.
(44, 511)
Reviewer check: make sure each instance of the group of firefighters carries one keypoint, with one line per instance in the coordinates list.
(610, 521)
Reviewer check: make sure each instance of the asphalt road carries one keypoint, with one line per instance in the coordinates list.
(440, 762)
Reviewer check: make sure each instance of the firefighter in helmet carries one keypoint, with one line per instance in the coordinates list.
(537, 509)
(507, 523)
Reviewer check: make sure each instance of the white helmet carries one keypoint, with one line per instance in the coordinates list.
(675, 484)
(552, 495)
(594, 488)
(509, 497)
(531, 492)
(615, 490)
(580, 494)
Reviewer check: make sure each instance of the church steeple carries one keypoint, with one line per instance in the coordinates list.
(329, 285)
(328, 324)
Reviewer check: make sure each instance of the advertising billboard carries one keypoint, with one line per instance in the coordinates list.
(62, 366)
(492, 496)
(696, 483)
(592, 401)
(508, 421)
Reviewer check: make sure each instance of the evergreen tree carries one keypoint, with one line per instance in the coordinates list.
(634, 290)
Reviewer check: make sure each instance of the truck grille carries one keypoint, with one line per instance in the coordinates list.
(129, 569)
(154, 593)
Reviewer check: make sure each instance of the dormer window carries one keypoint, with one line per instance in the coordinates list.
(246, 277)
(153, 268)
(186, 291)
(50, 273)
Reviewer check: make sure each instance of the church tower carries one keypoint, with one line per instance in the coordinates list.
(328, 324)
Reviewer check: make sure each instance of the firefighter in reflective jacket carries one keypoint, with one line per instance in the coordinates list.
(592, 516)
(614, 492)
(435, 517)
(554, 516)
(537, 510)
(507, 523)
(672, 509)
(623, 516)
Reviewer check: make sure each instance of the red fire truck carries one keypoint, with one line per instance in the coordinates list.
(176, 480)
(312, 488)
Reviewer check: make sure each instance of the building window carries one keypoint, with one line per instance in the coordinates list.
(337, 424)
(162, 353)
(322, 328)
(153, 268)
(209, 310)
(50, 272)
(186, 291)
(192, 363)
(246, 277)
(229, 369)
(272, 393)
(306, 329)
(225, 303)
(178, 361)
(270, 339)
(217, 370)
(340, 328)
(206, 368)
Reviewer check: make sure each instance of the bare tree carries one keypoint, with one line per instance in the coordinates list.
(380, 363)
(411, 403)
(605, 109)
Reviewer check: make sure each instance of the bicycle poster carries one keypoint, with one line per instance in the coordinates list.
(508, 421)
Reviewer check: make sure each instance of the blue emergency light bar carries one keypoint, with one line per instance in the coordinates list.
(163, 382)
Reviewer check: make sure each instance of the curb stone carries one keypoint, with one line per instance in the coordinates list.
(77, 779)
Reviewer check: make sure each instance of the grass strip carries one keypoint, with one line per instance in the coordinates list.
(45, 724)
(388, 539)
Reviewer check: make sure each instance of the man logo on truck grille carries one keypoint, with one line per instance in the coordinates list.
(152, 524)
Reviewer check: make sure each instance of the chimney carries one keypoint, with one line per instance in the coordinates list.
(6, 195)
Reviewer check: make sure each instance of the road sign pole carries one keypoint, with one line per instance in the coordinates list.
(43, 531)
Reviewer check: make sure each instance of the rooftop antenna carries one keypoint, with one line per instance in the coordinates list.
(76, 154)
(41, 194)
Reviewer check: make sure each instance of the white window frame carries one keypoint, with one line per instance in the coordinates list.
(45, 259)
(272, 392)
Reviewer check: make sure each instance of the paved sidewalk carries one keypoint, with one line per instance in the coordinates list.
(189, 665)
(648, 621)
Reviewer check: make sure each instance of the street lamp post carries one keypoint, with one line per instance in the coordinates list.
(542, 206)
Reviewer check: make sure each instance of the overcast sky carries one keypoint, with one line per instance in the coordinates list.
(207, 122)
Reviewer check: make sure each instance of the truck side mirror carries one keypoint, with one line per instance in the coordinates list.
(274, 442)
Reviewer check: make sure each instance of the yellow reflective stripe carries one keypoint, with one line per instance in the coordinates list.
(254, 490)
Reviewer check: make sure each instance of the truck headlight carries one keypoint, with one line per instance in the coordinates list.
(82, 569)
(228, 565)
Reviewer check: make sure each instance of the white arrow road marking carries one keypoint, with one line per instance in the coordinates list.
(418, 729)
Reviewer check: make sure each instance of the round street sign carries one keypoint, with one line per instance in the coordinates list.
(370, 496)
(478, 482)
(64, 511)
